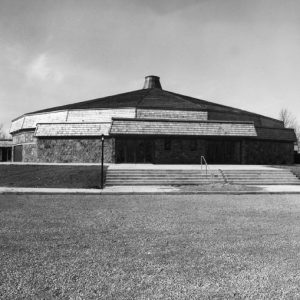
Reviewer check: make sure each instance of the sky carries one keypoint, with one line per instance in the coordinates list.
(240, 53)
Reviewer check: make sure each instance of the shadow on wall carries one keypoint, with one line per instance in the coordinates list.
(297, 158)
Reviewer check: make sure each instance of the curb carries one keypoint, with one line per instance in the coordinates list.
(205, 193)
(99, 193)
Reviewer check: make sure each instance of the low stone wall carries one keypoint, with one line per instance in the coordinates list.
(76, 150)
(26, 147)
(267, 152)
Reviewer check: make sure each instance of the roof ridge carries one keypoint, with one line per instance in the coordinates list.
(224, 106)
(66, 106)
(197, 99)
(179, 96)
(156, 94)
(143, 97)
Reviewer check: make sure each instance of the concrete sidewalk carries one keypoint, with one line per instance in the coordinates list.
(189, 167)
(142, 190)
(156, 166)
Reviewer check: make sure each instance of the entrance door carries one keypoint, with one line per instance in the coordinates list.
(223, 152)
(130, 151)
(134, 151)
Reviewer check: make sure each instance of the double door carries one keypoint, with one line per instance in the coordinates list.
(134, 150)
(223, 152)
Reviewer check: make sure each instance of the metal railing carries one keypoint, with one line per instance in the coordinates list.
(207, 169)
(202, 159)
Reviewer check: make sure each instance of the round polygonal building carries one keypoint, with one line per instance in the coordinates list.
(151, 125)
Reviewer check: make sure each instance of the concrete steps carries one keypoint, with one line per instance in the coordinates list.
(199, 177)
(161, 177)
(295, 171)
(261, 177)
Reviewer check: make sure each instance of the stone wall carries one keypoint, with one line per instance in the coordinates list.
(182, 151)
(27, 146)
(29, 153)
(267, 152)
(80, 150)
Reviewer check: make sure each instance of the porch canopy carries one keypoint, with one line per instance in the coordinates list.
(6, 143)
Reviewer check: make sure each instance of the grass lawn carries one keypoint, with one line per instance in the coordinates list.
(50, 176)
(150, 247)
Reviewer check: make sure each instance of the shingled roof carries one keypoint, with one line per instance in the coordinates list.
(283, 134)
(152, 96)
(147, 98)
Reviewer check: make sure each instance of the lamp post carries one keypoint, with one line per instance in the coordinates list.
(102, 159)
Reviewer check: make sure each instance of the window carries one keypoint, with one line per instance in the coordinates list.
(167, 145)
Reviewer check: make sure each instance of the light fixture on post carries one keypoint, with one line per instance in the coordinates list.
(102, 159)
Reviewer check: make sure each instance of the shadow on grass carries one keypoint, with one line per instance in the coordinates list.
(51, 176)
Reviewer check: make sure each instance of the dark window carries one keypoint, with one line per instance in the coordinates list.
(193, 145)
(9, 154)
(167, 144)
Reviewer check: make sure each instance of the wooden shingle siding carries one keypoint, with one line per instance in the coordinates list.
(16, 125)
(72, 129)
(55, 117)
(100, 115)
(30, 121)
(283, 134)
(144, 127)
(72, 116)
(26, 137)
(244, 116)
(171, 114)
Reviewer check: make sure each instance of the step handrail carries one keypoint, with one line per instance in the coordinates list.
(202, 159)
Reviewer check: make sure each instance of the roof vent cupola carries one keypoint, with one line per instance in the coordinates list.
(152, 82)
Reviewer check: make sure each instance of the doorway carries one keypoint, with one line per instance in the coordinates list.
(223, 152)
(18, 153)
(134, 150)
